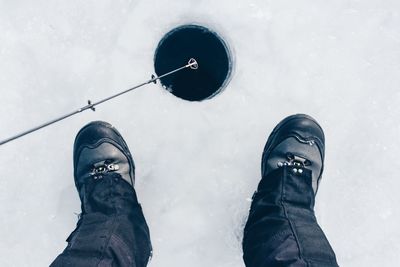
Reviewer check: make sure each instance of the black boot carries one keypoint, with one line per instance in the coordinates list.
(100, 150)
(282, 229)
(112, 230)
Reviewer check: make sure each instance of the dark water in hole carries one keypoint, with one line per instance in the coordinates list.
(211, 53)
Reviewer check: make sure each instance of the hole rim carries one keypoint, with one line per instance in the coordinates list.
(227, 48)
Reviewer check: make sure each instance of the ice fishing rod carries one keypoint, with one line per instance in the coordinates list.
(192, 64)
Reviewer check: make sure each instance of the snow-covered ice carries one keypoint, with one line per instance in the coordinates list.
(199, 163)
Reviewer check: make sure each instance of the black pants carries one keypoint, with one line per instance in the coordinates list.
(111, 231)
(281, 229)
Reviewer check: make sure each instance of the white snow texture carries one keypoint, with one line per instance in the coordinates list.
(199, 163)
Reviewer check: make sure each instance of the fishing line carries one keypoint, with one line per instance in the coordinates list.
(192, 64)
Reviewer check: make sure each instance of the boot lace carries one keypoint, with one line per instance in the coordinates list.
(294, 160)
(103, 167)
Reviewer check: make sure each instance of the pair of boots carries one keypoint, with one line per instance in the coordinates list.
(281, 229)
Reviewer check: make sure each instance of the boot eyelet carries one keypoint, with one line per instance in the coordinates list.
(104, 167)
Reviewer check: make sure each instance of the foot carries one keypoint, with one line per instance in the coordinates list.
(281, 229)
(100, 149)
(298, 141)
(111, 230)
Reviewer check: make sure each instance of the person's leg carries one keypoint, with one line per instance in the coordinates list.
(282, 229)
(112, 230)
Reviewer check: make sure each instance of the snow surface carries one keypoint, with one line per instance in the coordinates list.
(199, 163)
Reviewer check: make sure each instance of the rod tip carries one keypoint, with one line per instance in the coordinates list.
(193, 64)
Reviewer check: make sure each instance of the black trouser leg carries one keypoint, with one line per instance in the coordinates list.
(113, 232)
(282, 229)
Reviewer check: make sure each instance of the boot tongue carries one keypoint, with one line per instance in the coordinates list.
(105, 158)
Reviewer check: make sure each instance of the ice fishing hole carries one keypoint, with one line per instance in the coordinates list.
(211, 53)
